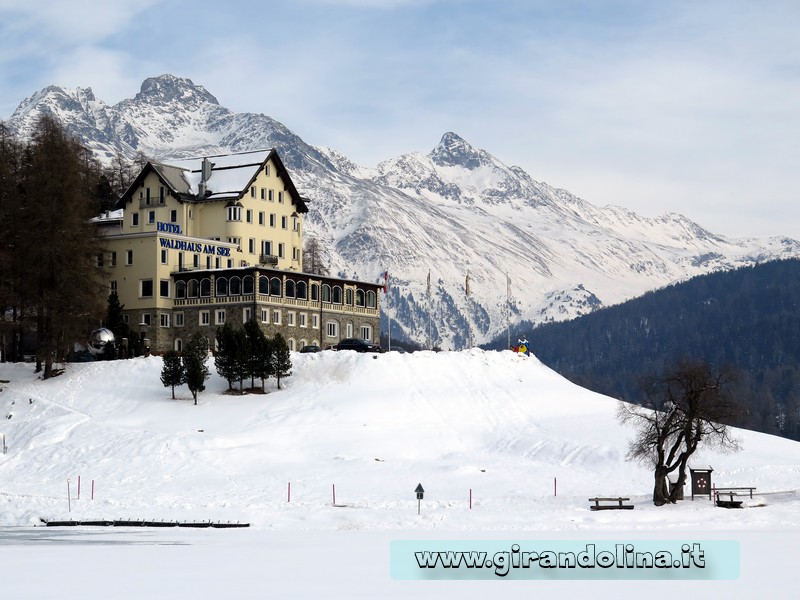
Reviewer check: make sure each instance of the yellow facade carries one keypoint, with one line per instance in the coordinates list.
(233, 216)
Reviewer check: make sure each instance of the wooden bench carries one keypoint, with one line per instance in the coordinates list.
(735, 490)
(610, 506)
(731, 493)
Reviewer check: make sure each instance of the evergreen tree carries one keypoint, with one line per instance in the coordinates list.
(117, 325)
(58, 242)
(226, 354)
(261, 352)
(195, 354)
(281, 358)
(260, 349)
(172, 373)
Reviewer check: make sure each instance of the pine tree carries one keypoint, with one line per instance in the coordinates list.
(195, 354)
(259, 347)
(225, 356)
(281, 358)
(58, 242)
(172, 373)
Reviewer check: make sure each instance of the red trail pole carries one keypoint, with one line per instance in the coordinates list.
(79, 487)
(470, 498)
(92, 489)
(289, 492)
(334, 493)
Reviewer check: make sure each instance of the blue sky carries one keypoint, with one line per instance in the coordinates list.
(675, 106)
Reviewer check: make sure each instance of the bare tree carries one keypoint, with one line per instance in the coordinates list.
(314, 257)
(687, 407)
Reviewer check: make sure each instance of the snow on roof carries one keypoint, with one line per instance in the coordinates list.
(230, 173)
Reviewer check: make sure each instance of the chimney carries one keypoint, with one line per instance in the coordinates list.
(205, 175)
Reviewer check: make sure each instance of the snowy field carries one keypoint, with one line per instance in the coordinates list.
(325, 472)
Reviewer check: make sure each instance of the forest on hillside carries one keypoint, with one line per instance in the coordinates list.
(746, 320)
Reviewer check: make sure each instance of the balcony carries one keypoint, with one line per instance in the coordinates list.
(268, 259)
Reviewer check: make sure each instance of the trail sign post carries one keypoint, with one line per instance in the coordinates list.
(420, 492)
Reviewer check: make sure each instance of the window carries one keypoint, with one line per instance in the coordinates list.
(251, 245)
(219, 316)
(173, 216)
(266, 247)
(128, 257)
(315, 321)
(371, 299)
(113, 286)
(295, 253)
(247, 314)
(264, 315)
(301, 319)
(196, 261)
(290, 319)
(333, 329)
(163, 319)
(348, 297)
(261, 217)
(349, 329)
(234, 213)
(281, 251)
(163, 288)
(178, 317)
(99, 260)
(273, 219)
(252, 191)
(284, 222)
(113, 259)
(151, 216)
(302, 290)
(180, 289)
(280, 197)
(263, 193)
(266, 170)
(248, 215)
(145, 319)
(125, 319)
(271, 196)
(135, 219)
(178, 345)
(276, 317)
(146, 288)
(161, 195)
(366, 332)
(164, 257)
(147, 196)
(235, 240)
(275, 287)
(205, 317)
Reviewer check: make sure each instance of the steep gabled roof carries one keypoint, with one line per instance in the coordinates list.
(230, 179)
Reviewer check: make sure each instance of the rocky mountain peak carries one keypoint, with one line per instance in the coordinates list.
(454, 151)
(166, 89)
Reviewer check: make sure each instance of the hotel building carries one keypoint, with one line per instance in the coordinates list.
(198, 243)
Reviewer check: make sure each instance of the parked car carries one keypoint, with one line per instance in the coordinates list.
(357, 344)
(310, 348)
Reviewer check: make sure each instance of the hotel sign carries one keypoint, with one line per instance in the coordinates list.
(199, 247)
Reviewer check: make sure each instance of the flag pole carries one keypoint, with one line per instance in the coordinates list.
(508, 311)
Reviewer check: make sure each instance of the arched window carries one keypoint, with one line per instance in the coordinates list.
(371, 299)
(315, 291)
(337, 294)
(290, 291)
(222, 286)
(359, 297)
(292, 345)
(178, 345)
(263, 285)
(247, 284)
(326, 293)
(193, 288)
(302, 291)
(275, 286)
(205, 288)
(348, 297)
(180, 289)
(235, 286)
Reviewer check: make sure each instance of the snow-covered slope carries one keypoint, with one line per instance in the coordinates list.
(367, 428)
(453, 211)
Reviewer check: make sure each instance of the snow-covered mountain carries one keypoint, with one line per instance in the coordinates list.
(531, 251)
